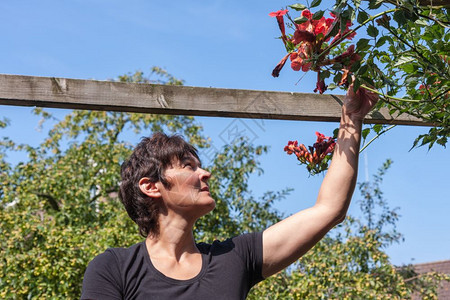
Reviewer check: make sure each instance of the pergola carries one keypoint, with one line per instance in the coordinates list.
(180, 100)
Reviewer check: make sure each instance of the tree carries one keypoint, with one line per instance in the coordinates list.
(59, 208)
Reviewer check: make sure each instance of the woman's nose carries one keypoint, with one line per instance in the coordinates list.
(204, 175)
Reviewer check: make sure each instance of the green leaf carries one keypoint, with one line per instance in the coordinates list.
(408, 68)
(315, 3)
(374, 4)
(356, 84)
(365, 133)
(300, 20)
(344, 23)
(298, 6)
(381, 41)
(334, 29)
(317, 15)
(372, 31)
(399, 17)
(324, 74)
(362, 16)
(337, 78)
(368, 80)
(355, 66)
(377, 128)
(290, 46)
(363, 44)
(331, 86)
(442, 141)
(350, 79)
(403, 60)
(362, 70)
(345, 14)
(335, 133)
(337, 66)
(421, 22)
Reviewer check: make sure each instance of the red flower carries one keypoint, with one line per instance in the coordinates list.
(301, 35)
(348, 58)
(340, 33)
(383, 21)
(276, 71)
(309, 51)
(323, 25)
(279, 15)
(348, 53)
(315, 157)
(320, 85)
(307, 14)
(314, 26)
(298, 60)
(321, 137)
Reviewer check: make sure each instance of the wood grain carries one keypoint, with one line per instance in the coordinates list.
(179, 100)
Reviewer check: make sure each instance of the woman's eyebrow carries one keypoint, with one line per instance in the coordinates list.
(191, 159)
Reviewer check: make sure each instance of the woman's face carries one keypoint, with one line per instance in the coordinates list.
(188, 186)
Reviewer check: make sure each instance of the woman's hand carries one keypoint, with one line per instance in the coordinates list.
(357, 105)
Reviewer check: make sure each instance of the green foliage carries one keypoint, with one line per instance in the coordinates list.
(162, 77)
(402, 54)
(297, 6)
(59, 208)
(406, 60)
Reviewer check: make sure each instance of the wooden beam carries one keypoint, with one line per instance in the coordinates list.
(180, 100)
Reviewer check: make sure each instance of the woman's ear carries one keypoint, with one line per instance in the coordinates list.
(149, 188)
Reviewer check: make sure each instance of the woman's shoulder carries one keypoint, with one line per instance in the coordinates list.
(117, 255)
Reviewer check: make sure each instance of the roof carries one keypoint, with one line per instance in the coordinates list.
(442, 266)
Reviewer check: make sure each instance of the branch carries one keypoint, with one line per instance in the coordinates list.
(390, 97)
(430, 64)
(111, 190)
(377, 136)
(326, 50)
(51, 200)
(120, 124)
(440, 22)
(441, 94)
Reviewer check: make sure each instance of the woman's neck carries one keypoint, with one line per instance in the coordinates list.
(175, 238)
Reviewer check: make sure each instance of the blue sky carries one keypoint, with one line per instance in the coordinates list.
(226, 44)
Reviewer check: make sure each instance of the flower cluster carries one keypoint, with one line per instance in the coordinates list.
(315, 157)
(310, 44)
(429, 89)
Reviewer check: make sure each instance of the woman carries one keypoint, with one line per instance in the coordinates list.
(165, 191)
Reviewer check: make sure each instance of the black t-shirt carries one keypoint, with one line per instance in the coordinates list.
(229, 269)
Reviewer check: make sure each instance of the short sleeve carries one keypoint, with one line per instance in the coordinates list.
(249, 247)
(102, 278)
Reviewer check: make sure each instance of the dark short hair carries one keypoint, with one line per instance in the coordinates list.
(150, 158)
